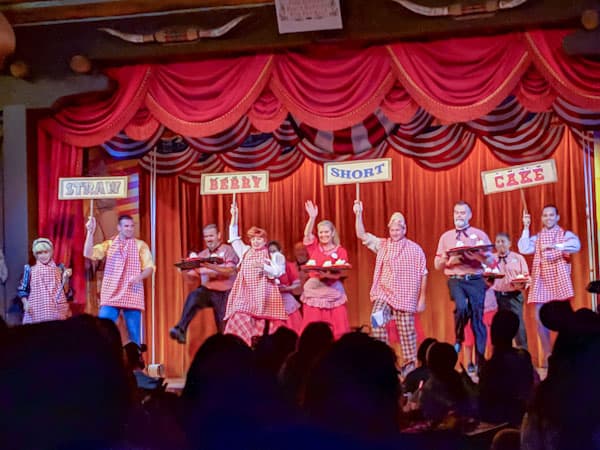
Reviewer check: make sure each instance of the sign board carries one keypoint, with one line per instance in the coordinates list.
(92, 188)
(518, 177)
(294, 16)
(234, 182)
(363, 171)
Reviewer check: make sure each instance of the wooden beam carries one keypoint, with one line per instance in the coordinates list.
(21, 12)
(49, 48)
(45, 92)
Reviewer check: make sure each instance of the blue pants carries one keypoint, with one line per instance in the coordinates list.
(468, 296)
(133, 320)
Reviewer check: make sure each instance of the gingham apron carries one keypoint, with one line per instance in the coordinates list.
(253, 292)
(47, 300)
(551, 272)
(122, 264)
(397, 278)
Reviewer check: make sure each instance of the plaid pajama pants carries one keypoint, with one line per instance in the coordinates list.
(405, 323)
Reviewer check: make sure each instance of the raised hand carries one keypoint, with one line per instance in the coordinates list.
(67, 274)
(526, 220)
(311, 209)
(91, 225)
(358, 207)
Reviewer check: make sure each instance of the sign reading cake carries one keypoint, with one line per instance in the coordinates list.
(363, 171)
(234, 182)
(518, 177)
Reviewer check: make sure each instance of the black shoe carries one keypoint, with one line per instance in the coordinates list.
(177, 334)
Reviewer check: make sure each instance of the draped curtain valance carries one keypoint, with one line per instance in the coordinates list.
(456, 80)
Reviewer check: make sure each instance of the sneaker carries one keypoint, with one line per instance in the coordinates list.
(471, 369)
(457, 347)
(177, 334)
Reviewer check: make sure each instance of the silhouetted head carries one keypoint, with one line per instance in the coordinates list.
(67, 380)
(441, 358)
(355, 388)
(315, 337)
(422, 351)
(505, 325)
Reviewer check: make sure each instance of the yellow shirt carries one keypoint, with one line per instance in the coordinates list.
(99, 252)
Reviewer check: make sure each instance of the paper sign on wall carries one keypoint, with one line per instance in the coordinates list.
(363, 171)
(92, 188)
(518, 177)
(234, 182)
(295, 16)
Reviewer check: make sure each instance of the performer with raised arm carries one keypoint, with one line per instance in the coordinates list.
(465, 276)
(44, 289)
(128, 263)
(509, 290)
(551, 269)
(399, 282)
(254, 299)
(324, 296)
(289, 282)
(216, 281)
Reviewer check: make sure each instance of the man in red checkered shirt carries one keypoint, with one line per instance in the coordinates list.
(551, 268)
(399, 281)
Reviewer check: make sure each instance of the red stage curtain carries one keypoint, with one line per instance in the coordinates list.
(204, 98)
(425, 198)
(334, 90)
(93, 121)
(575, 79)
(461, 79)
(59, 220)
(534, 91)
(454, 80)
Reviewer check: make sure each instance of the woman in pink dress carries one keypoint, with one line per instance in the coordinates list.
(324, 296)
(254, 299)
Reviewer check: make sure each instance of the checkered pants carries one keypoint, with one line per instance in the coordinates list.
(405, 324)
(247, 327)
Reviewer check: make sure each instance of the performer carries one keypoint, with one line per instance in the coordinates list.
(509, 290)
(399, 282)
(44, 289)
(324, 297)
(465, 280)
(215, 283)
(128, 262)
(289, 282)
(551, 270)
(254, 299)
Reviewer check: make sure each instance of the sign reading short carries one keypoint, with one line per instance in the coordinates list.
(92, 188)
(234, 182)
(363, 171)
(518, 177)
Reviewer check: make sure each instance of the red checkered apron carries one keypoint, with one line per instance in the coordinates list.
(551, 271)
(47, 300)
(122, 264)
(399, 268)
(254, 299)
